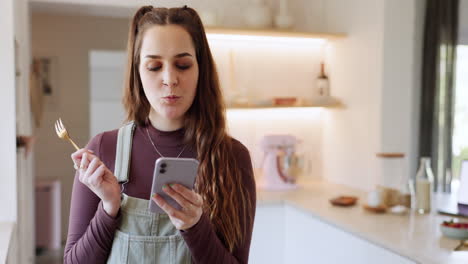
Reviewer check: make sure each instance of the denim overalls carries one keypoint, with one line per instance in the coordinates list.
(142, 236)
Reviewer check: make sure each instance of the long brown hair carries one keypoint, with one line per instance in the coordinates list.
(219, 179)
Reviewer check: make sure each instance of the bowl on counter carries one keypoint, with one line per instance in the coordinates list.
(455, 230)
(344, 200)
(284, 101)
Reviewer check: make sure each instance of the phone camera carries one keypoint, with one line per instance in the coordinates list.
(162, 170)
(164, 165)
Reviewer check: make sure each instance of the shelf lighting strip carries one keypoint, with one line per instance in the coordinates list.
(267, 39)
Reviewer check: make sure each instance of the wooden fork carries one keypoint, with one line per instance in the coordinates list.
(63, 133)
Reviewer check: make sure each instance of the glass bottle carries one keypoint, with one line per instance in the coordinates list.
(423, 183)
(323, 89)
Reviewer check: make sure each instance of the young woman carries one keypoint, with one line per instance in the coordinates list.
(174, 109)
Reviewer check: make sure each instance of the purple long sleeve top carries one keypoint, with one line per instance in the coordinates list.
(91, 230)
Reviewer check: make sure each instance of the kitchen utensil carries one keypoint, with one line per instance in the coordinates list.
(62, 132)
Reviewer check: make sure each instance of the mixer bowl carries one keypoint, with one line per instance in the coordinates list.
(291, 166)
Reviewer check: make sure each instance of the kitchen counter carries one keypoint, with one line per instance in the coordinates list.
(416, 237)
(6, 230)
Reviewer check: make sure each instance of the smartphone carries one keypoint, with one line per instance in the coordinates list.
(172, 170)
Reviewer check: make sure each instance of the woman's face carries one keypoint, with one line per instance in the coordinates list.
(168, 70)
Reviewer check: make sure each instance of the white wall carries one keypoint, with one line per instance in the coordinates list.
(69, 40)
(402, 49)
(106, 75)
(352, 135)
(25, 165)
(375, 71)
(7, 108)
(16, 189)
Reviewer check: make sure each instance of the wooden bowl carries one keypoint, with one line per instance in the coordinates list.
(378, 210)
(284, 101)
(344, 200)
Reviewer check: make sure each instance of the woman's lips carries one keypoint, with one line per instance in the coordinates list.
(171, 99)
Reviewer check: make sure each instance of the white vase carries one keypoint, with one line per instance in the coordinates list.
(258, 15)
(208, 18)
(283, 20)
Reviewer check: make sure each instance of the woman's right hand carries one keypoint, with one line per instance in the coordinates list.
(99, 179)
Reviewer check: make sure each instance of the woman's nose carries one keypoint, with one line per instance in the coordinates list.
(170, 78)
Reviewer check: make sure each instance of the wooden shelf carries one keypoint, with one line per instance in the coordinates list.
(330, 102)
(278, 33)
(285, 106)
(391, 155)
(271, 107)
(274, 33)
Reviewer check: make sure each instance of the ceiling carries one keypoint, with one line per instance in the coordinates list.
(106, 8)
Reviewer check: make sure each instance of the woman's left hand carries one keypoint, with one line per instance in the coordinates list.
(190, 201)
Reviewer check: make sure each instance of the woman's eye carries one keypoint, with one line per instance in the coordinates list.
(183, 67)
(157, 68)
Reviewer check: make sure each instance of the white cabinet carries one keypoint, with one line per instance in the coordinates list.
(309, 240)
(285, 234)
(268, 235)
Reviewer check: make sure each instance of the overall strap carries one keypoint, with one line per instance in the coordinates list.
(123, 152)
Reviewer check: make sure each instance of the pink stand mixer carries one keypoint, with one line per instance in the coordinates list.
(280, 163)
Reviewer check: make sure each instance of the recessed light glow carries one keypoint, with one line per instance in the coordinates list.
(266, 39)
(275, 113)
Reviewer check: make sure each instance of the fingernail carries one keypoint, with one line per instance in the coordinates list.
(164, 186)
(172, 184)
